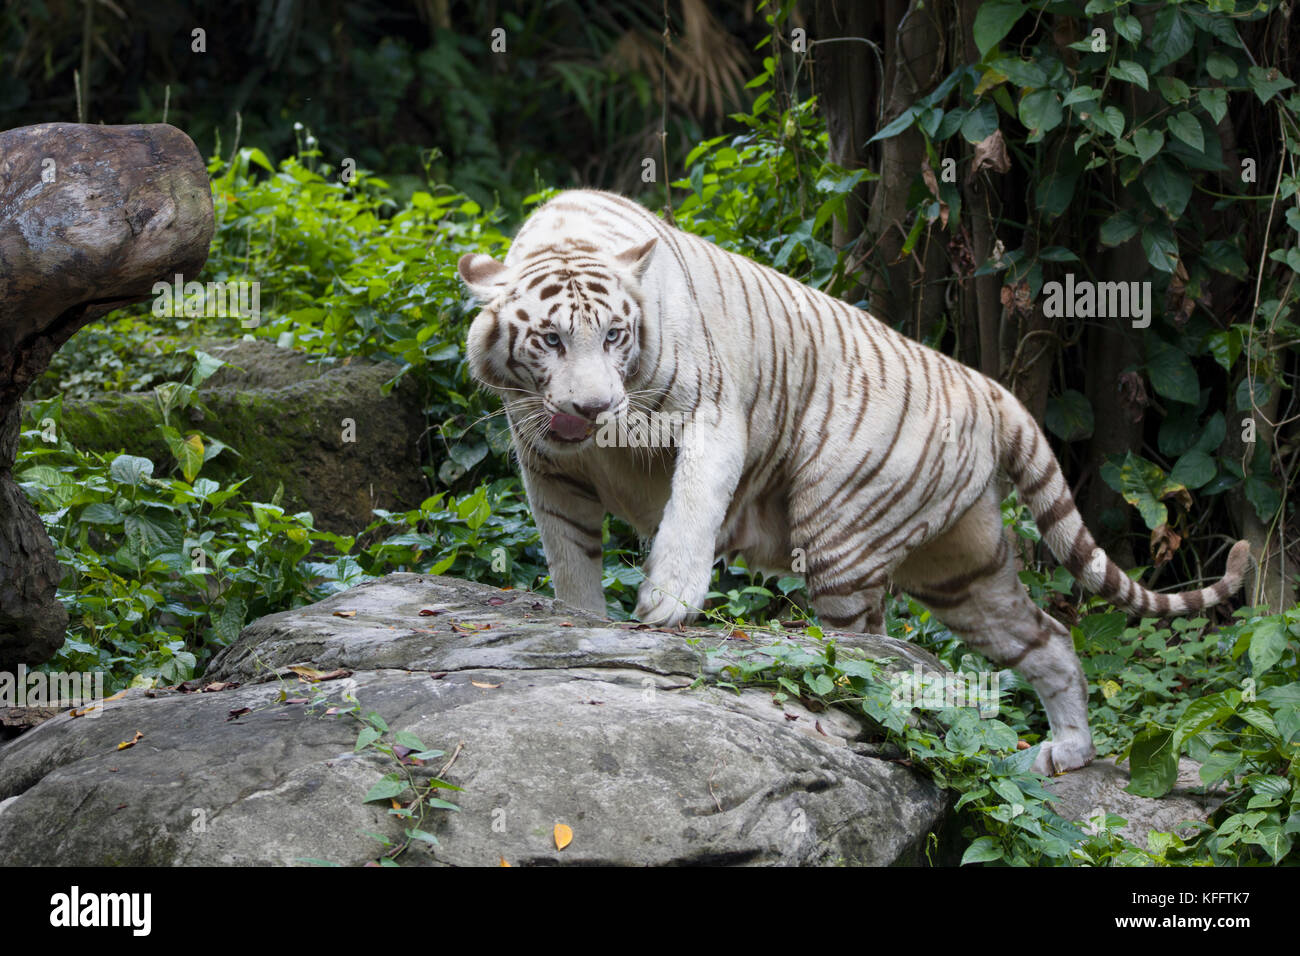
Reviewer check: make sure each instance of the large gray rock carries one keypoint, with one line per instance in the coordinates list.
(553, 717)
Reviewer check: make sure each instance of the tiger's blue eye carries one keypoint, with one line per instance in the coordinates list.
(612, 336)
(552, 339)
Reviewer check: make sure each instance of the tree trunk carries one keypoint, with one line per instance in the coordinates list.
(90, 218)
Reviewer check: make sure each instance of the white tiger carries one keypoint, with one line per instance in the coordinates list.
(814, 426)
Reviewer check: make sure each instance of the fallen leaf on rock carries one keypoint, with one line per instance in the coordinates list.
(737, 635)
(563, 836)
(791, 716)
(218, 686)
(238, 712)
(503, 862)
(345, 613)
(431, 611)
(331, 712)
(485, 686)
(296, 700)
(132, 742)
(118, 696)
(496, 601)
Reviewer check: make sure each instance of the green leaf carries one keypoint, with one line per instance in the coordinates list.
(1223, 255)
(1215, 102)
(100, 513)
(1148, 142)
(1171, 372)
(1120, 227)
(130, 470)
(984, 850)
(1168, 187)
(367, 737)
(1129, 27)
(1172, 36)
(1267, 82)
(1267, 645)
(1194, 469)
(993, 21)
(1153, 763)
(1221, 66)
(1160, 246)
(1069, 415)
(1143, 484)
(980, 123)
(404, 738)
(1186, 128)
(1040, 111)
(1130, 72)
(386, 788)
(1174, 90)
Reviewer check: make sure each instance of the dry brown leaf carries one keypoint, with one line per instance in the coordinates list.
(345, 613)
(118, 696)
(132, 742)
(990, 153)
(1022, 745)
(503, 862)
(1164, 542)
(563, 836)
(485, 686)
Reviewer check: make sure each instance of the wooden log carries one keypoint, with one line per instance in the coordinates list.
(90, 218)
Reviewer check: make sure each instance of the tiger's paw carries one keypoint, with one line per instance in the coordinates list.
(668, 604)
(1061, 756)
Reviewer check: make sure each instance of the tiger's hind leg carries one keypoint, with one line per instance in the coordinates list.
(967, 577)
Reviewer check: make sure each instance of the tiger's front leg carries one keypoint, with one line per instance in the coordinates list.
(677, 574)
(568, 514)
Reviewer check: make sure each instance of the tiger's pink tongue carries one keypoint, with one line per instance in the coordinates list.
(570, 427)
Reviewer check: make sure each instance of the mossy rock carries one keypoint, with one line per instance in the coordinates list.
(286, 418)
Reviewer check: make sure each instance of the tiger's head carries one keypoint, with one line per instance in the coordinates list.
(558, 337)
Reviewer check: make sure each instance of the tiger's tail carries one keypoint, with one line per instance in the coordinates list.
(1027, 459)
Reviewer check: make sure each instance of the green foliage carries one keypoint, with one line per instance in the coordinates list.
(1119, 134)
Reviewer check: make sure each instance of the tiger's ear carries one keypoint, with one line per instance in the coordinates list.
(637, 259)
(484, 275)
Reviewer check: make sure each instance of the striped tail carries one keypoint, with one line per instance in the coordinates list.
(1027, 458)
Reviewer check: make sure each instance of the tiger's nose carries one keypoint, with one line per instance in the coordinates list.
(592, 409)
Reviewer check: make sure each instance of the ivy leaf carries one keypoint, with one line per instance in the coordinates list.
(1040, 112)
(1267, 82)
(1130, 72)
(1120, 227)
(1143, 484)
(1148, 142)
(993, 22)
(1160, 246)
(1153, 763)
(386, 788)
(1172, 37)
(1171, 372)
(980, 123)
(1069, 415)
(1267, 645)
(1221, 66)
(1215, 102)
(1185, 127)
(983, 850)
(1129, 27)
(1173, 89)
(1194, 469)
(130, 469)
(1169, 188)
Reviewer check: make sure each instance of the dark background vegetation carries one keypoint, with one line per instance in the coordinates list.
(935, 162)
